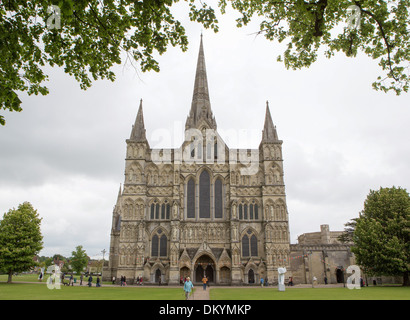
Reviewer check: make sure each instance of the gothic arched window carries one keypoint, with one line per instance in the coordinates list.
(154, 246)
(159, 244)
(160, 212)
(163, 246)
(254, 246)
(245, 246)
(204, 195)
(248, 212)
(218, 198)
(157, 211)
(249, 244)
(191, 198)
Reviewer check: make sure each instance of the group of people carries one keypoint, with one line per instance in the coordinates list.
(123, 281)
(266, 282)
(72, 280)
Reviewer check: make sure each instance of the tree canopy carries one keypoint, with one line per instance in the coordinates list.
(380, 29)
(382, 233)
(20, 239)
(79, 259)
(87, 38)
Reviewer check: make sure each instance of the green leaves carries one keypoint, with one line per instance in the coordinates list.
(79, 259)
(85, 38)
(382, 233)
(20, 238)
(383, 34)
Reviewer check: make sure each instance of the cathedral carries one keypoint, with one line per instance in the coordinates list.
(202, 209)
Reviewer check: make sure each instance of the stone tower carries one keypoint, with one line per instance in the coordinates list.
(203, 208)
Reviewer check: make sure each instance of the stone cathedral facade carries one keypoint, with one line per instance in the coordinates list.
(201, 209)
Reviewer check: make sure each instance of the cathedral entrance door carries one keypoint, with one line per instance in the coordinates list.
(157, 275)
(339, 275)
(204, 268)
(251, 276)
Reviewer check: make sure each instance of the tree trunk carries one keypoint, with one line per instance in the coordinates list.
(406, 281)
(10, 275)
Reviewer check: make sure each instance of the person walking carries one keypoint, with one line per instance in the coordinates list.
(81, 279)
(204, 281)
(188, 287)
(290, 283)
(90, 280)
(98, 281)
(262, 282)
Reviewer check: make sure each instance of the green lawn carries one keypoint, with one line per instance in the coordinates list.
(33, 291)
(39, 291)
(366, 293)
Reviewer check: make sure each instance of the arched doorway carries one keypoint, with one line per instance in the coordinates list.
(157, 275)
(225, 275)
(251, 276)
(339, 275)
(204, 267)
(184, 272)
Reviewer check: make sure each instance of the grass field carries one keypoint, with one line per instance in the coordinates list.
(33, 291)
(366, 293)
(19, 290)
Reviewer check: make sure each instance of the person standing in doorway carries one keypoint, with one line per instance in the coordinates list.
(204, 281)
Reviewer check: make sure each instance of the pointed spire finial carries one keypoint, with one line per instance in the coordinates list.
(269, 133)
(201, 105)
(138, 129)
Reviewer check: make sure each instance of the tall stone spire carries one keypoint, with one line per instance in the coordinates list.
(138, 129)
(269, 133)
(201, 105)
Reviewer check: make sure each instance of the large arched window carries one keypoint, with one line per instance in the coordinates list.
(218, 205)
(163, 246)
(245, 246)
(154, 246)
(159, 244)
(191, 198)
(249, 244)
(254, 246)
(204, 195)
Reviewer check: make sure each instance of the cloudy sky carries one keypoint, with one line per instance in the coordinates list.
(65, 152)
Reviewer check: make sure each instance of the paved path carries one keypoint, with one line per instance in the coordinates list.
(200, 293)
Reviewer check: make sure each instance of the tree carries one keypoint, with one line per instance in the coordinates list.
(382, 233)
(86, 38)
(79, 259)
(347, 235)
(20, 239)
(379, 29)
